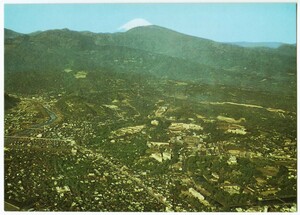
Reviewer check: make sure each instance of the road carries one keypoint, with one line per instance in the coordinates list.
(52, 118)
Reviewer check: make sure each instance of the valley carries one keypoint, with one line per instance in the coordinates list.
(115, 128)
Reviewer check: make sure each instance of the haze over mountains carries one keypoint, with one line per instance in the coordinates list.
(153, 50)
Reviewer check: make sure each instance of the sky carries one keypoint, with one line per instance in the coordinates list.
(230, 22)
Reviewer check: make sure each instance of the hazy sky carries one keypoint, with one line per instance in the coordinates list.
(268, 22)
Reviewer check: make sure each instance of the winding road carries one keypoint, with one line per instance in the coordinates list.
(52, 118)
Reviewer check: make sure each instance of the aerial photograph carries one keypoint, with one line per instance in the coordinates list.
(150, 107)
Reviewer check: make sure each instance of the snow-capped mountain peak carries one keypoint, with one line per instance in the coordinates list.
(134, 23)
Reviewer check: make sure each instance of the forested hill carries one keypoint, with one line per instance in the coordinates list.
(154, 51)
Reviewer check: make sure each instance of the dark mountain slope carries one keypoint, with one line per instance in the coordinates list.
(289, 50)
(273, 45)
(10, 101)
(156, 51)
(9, 34)
(164, 41)
(57, 50)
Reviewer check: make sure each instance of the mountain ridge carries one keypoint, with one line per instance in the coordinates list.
(154, 50)
(237, 43)
(11, 34)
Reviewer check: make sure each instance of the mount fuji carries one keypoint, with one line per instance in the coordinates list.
(134, 23)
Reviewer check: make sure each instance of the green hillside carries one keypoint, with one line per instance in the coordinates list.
(164, 41)
(9, 34)
(157, 51)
